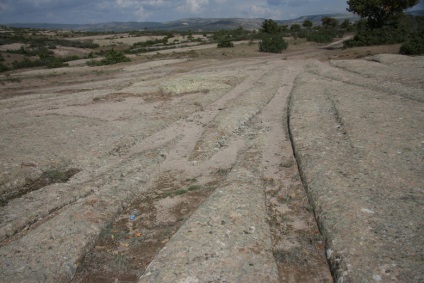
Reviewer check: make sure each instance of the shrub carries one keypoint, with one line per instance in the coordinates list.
(56, 63)
(93, 63)
(111, 57)
(295, 28)
(321, 36)
(345, 24)
(273, 43)
(270, 26)
(328, 22)
(114, 57)
(226, 43)
(25, 63)
(307, 24)
(3, 68)
(395, 31)
(414, 46)
(378, 12)
(386, 35)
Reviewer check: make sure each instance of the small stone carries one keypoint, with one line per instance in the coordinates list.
(366, 210)
(135, 212)
(376, 277)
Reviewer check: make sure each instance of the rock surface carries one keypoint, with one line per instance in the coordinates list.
(358, 137)
(218, 134)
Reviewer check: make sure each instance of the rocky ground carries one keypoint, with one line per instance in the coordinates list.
(185, 168)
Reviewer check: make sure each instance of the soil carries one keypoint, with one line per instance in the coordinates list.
(188, 167)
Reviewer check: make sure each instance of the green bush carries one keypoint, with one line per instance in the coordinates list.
(111, 57)
(226, 43)
(321, 36)
(114, 57)
(26, 63)
(273, 43)
(32, 51)
(93, 63)
(395, 31)
(56, 63)
(295, 28)
(414, 46)
(271, 27)
(386, 35)
(49, 61)
(3, 68)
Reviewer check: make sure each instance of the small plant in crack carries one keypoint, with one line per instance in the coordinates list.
(48, 177)
(287, 164)
(194, 188)
(309, 208)
(222, 172)
(269, 181)
(184, 191)
(58, 176)
(180, 192)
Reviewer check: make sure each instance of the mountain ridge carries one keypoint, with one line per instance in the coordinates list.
(189, 24)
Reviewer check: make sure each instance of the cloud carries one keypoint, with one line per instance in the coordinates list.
(137, 8)
(258, 11)
(291, 3)
(195, 6)
(38, 2)
(103, 5)
(3, 6)
(83, 11)
(156, 3)
(420, 5)
(127, 3)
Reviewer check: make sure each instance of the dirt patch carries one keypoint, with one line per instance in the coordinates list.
(117, 97)
(63, 51)
(127, 246)
(13, 46)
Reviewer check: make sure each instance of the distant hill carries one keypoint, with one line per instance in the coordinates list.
(316, 19)
(416, 13)
(193, 24)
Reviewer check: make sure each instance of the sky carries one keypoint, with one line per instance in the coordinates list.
(99, 11)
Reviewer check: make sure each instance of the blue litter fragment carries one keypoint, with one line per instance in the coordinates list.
(132, 217)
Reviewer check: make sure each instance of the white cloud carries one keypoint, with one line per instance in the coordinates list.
(156, 3)
(194, 6)
(142, 13)
(127, 3)
(256, 11)
(103, 5)
(220, 1)
(293, 3)
(3, 6)
(38, 2)
(137, 7)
